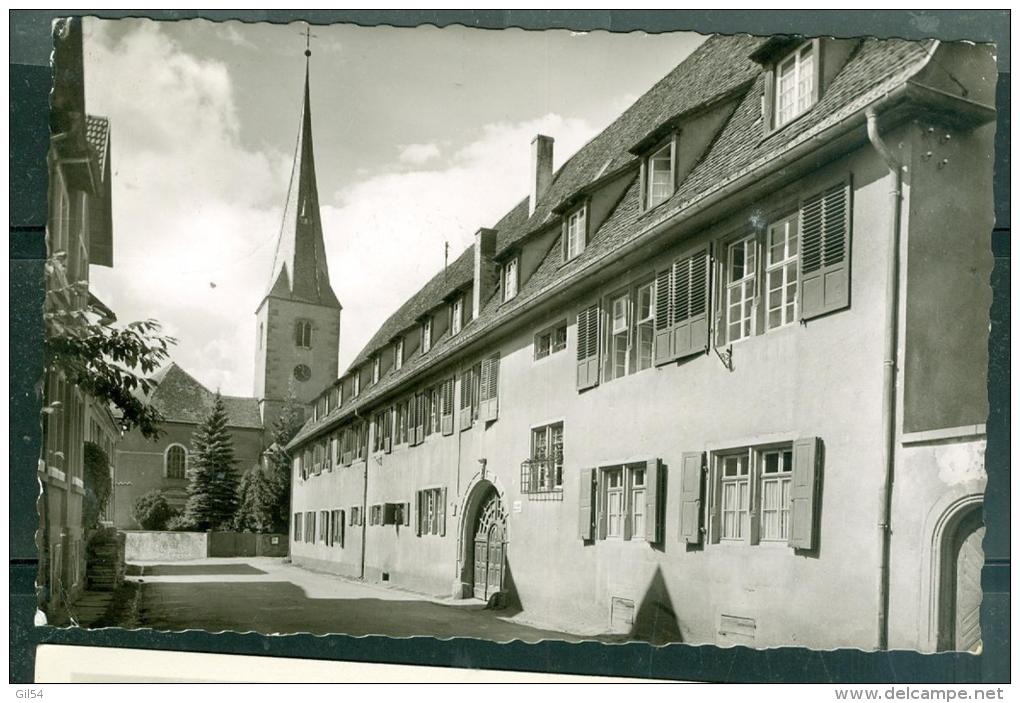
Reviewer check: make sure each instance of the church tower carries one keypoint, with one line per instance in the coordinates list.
(298, 321)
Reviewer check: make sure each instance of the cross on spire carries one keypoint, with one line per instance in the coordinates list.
(308, 40)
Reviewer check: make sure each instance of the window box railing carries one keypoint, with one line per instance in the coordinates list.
(542, 478)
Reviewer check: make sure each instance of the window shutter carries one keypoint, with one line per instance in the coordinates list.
(350, 517)
(447, 406)
(586, 499)
(489, 403)
(441, 512)
(654, 476)
(664, 317)
(691, 485)
(768, 101)
(825, 252)
(343, 530)
(690, 304)
(417, 513)
(419, 429)
(588, 348)
(807, 462)
(407, 514)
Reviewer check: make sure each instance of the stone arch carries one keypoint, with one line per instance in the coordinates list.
(941, 528)
(481, 492)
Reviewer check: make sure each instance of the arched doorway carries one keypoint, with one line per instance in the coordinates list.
(487, 548)
(960, 593)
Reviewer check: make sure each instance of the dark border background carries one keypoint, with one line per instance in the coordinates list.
(29, 87)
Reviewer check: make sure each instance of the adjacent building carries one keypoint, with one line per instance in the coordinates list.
(79, 234)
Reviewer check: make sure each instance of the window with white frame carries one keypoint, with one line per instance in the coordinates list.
(776, 474)
(357, 383)
(614, 497)
(636, 481)
(660, 178)
(376, 366)
(645, 322)
(740, 289)
(550, 341)
(457, 315)
(576, 232)
(543, 472)
(781, 248)
(795, 84)
(431, 515)
(426, 335)
(176, 461)
(619, 339)
(735, 495)
(298, 527)
(510, 279)
(398, 354)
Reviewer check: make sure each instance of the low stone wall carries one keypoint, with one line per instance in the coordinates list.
(165, 546)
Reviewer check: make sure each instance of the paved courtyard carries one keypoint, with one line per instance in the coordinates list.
(269, 596)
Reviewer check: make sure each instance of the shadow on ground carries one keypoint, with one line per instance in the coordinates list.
(196, 570)
(282, 607)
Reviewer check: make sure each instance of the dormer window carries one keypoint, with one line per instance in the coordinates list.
(303, 334)
(795, 84)
(357, 384)
(426, 335)
(576, 234)
(510, 279)
(660, 174)
(457, 315)
(398, 354)
(376, 364)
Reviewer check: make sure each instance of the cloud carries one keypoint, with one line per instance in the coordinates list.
(418, 154)
(191, 205)
(385, 234)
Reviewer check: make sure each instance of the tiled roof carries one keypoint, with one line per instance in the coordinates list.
(97, 132)
(181, 398)
(718, 67)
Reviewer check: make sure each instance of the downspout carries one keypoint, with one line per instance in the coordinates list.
(891, 345)
(364, 502)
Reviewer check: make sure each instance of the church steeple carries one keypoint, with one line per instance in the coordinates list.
(299, 267)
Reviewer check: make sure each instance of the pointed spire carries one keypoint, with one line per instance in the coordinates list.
(299, 267)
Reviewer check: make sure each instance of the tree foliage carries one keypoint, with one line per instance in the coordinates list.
(285, 427)
(152, 511)
(212, 488)
(108, 363)
(98, 485)
(257, 502)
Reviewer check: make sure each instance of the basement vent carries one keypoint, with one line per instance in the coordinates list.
(735, 629)
(386, 576)
(621, 615)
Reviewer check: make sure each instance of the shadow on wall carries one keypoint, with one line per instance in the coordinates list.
(506, 601)
(655, 620)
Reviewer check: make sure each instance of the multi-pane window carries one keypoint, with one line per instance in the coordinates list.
(645, 322)
(426, 335)
(576, 233)
(660, 177)
(543, 472)
(735, 486)
(740, 289)
(619, 340)
(303, 334)
(298, 526)
(551, 341)
(336, 534)
(637, 500)
(324, 526)
(431, 515)
(795, 84)
(781, 273)
(613, 496)
(776, 473)
(310, 527)
(176, 461)
(400, 422)
(457, 315)
(510, 279)
(375, 514)
(398, 354)
(356, 516)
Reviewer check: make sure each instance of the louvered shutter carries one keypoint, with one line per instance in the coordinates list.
(417, 512)
(441, 512)
(388, 430)
(586, 502)
(419, 418)
(691, 487)
(690, 304)
(654, 478)
(825, 252)
(343, 530)
(447, 406)
(664, 316)
(466, 413)
(489, 403)
(807, 461)
(588, 348)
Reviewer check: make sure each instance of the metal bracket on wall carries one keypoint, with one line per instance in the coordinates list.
(725, 356)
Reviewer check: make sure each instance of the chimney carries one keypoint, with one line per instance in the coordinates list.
(485, 269)
(541, 169)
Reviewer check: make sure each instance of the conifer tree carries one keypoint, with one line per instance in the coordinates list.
(287, 424)
(257, 502)
(212, 486)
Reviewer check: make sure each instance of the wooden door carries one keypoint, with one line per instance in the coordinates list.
(967, 616)
(489, 548)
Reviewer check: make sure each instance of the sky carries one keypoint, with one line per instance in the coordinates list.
(421, 136)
